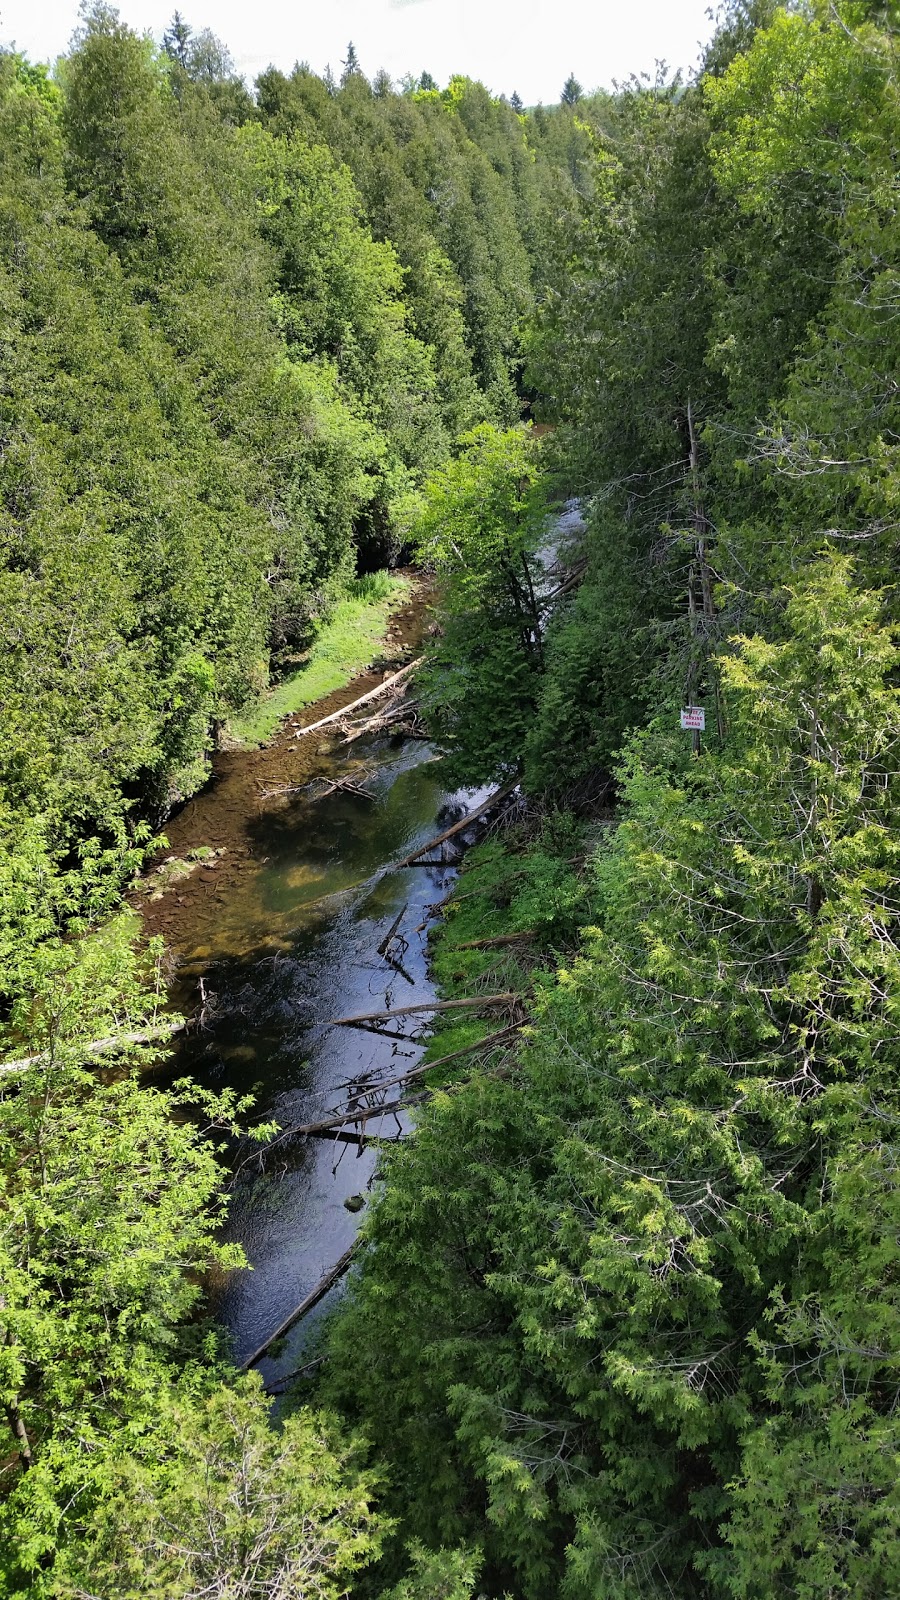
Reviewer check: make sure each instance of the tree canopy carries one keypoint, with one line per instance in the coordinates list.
(627, 1294)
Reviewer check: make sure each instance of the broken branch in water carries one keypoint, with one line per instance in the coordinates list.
(281, 1383)
(343, 1136)
(487, 1043)
(373, 694)
(507, 998)
(385, 719)
(306, 1130)
(471, 816)
(346, 786)
(382, 948)
(312, 1299)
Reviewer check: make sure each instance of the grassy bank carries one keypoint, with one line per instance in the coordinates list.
(517, 910)
(344, 647)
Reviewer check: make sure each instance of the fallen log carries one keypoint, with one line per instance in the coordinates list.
(313, 1130)
(342, 1136)
(571, 582)
(393, 929)
(363, 700)
(104, 1047)
(498, 939)
(281, 1383)
(383, 1033)
(382, 719)
(428, 1005)
(448, 833)
(487, 1043)
(312, 1299)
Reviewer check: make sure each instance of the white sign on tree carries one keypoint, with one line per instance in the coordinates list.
(693, 718)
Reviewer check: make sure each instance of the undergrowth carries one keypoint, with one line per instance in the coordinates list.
(515, 882)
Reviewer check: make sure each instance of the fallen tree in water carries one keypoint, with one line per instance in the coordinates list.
(448, 833)
(393, 681)
(508, 997)
(103, 1047)
(312, 1299)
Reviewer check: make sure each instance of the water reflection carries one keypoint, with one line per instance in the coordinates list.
(291, 944)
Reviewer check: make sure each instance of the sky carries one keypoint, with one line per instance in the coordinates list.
(529, 46)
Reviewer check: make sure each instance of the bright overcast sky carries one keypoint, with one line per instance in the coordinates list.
(527, 45)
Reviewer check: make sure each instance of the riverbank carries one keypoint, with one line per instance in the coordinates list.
(360, 624)
(213, 840)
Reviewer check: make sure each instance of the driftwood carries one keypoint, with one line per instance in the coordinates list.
(312, 1299)
(345, 711)
(280, 790)
(382, 719)
(432, 844)
(506, 998)
(486, 1043)
(104, 1047)
(346, 787)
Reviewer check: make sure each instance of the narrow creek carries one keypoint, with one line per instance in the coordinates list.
(275, 933)
(278, 934)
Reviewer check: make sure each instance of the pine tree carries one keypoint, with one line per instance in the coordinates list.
(572, 91)
(176, 39)
(350, 64)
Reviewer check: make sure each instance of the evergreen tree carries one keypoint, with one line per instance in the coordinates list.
(571, 91)
(351, 64)
(176, 39)
(617, 1256)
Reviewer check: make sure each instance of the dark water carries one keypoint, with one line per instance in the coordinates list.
(292, 944)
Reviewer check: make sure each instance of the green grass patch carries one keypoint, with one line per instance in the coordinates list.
(343, 647)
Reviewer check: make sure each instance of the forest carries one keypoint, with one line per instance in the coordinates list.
(624, 1320)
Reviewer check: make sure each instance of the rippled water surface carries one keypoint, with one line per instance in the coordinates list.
(288, 946)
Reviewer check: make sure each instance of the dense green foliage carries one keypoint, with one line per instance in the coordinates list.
(630, 1295)
(480, 522)
(628, 1298)
(237, 334)
(131, 1463)
(627, 1295)
(227, 369)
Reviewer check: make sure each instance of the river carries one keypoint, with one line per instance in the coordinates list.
(274, 938)
(278, 934)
